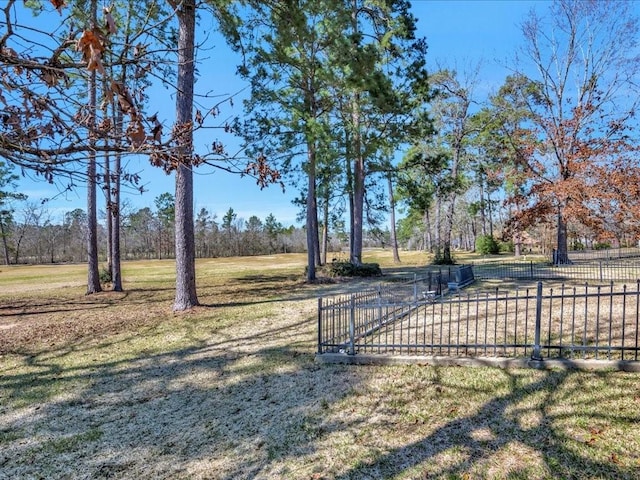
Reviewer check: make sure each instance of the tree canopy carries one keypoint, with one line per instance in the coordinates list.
(345, 106)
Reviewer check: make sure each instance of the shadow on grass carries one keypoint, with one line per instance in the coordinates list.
(244, 406)
(162, 415)
(460, 445)
(213, 412)
(280, 288)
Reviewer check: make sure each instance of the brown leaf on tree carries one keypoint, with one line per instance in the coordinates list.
(59, 5)
(262, 172)
(11, 54)
(139, 50)
(217, 148)
(156, 159)
(156, 131)
(124, 98)
(51, 76)
(135, 133)
(105, 125)
(199, 118)
(111, 24)
(182, 133)
(90, 44)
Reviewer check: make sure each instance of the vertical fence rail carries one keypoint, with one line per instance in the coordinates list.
(637, 319)
(352, 326)
(537, 353)
(320, 325)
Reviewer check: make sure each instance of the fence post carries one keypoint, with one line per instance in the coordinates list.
(320, 325)
(531, 269)
(415, 288)
(379, 307)
(600, 270)
(352, 327)
(536, 342)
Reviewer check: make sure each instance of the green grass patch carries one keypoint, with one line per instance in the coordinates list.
(70, 443)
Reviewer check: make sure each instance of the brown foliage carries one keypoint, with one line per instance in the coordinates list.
(91, 46)
(59, 5)
(263, 173)
(44, 128)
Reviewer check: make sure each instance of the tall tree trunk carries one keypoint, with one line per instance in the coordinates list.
(186, 296)
(517, 244)
(358, 164)
(16, 256)
(109, 224)
(483, 216)
(490, 209)
(93, 274)
(428, 231)
(358, 185)
(312, 214)
(447, 259)
(325, 229)
(438, 231)
(472, 234)
(562, 250)
(316, 243)
(4, 242)
(114, 217)
(349, 180)
(392, 220)
(517, 234)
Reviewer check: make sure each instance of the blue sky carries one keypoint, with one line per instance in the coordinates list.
(458, 33)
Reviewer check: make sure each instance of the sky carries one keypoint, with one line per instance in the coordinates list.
(459, 34)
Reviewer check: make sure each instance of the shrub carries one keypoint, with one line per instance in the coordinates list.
(343, 268)
(507, 247)
(577, 245)
(105, 275)
(487, 245)
(439, 258)
(601, 246)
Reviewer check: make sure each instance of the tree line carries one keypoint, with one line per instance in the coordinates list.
(33, 235)
(344, 107)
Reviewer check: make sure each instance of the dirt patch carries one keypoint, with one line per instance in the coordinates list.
(52, 322)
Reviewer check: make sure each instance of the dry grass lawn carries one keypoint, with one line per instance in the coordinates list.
(117, 386)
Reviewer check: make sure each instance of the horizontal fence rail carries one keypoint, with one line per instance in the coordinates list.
(598, 271)
(603, 254)
(590, 322)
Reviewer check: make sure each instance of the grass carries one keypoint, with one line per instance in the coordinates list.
(118, 386)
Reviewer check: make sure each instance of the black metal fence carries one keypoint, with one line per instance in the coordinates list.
(604, 254)
(595, 322)
(600, 271)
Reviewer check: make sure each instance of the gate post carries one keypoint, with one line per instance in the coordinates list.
(352, 327)
(536, 343)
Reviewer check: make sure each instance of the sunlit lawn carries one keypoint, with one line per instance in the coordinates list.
(118, 386)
